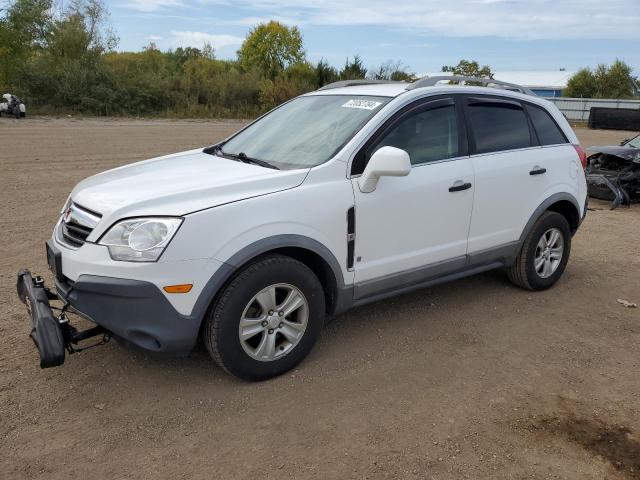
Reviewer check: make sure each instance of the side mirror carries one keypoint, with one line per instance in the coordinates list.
(385, 162)
(623, 142)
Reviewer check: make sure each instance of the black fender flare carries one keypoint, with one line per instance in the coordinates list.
(230, 266)
(543, 207)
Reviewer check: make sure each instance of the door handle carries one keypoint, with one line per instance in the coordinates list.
(459, 186)
(538, 170)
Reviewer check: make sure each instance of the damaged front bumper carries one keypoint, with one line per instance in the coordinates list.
(52, 334)
(133, 311)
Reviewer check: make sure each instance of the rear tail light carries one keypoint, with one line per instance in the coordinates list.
(583, 156)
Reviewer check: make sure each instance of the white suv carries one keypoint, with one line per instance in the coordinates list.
(337, 198)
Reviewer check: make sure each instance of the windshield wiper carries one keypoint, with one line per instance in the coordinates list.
(241, 157)
(256, 161)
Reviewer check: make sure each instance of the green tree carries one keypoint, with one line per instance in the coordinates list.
(605, 82)
(469, 68)
(581, 85)
(70, 70)
(353, 70)
(325, 73)
(181, 55)
(297, 79)
(614, 81)
(23, 29)
(271, 48)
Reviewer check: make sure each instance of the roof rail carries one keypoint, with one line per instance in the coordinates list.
(432, 81)
(351, 83)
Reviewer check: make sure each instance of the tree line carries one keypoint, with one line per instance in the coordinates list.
(65, 60)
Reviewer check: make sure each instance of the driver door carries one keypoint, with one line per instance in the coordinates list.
(415, 227)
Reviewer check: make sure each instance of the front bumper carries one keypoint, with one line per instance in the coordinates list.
(133, 310)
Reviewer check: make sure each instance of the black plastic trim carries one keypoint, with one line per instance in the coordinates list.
(427, 281)
(351, 239)
(134, 310)
(460, 188)
(557, 197)
(248, 253)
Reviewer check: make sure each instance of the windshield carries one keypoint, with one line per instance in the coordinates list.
(634, 142)
(306, 131)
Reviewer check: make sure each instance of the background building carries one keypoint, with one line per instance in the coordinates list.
(542, 83)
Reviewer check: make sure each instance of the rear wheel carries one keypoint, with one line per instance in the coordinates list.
(544, 254)
(266, 319)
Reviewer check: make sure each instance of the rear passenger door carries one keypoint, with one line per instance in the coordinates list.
(516, 166)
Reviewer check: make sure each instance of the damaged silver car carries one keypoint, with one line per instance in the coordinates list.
(613, 172)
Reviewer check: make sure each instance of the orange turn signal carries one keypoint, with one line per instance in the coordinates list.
(185, 288)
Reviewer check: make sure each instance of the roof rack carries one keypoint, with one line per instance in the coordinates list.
(351, 83)
(432, 81)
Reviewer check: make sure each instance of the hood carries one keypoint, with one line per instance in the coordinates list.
(624, 152)
(178, 184)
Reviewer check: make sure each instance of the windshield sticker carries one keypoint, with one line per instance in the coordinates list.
(364, 104)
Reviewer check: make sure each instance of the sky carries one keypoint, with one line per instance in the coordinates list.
(424, 35)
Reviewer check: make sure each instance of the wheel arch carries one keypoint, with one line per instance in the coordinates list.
(562, 203)
(310, 252)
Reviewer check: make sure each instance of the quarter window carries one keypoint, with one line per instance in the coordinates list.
(426, 135)
(498, 126)
(548, 131)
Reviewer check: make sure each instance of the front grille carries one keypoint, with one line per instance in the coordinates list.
(74, 233)
(76, 224)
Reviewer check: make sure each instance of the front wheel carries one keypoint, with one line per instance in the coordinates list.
(267, 319)
(544, 254)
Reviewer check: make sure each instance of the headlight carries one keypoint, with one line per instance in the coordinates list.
(140, 239)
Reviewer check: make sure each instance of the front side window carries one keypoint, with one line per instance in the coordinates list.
(427, 135)
(546, 128)
(498, 126)
(306, 131)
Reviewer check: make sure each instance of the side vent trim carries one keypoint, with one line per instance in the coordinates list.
(351, 237)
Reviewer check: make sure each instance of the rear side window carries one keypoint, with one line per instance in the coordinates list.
(546, 128)
(498, 126)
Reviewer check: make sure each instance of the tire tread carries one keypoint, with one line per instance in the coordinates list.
(212, 324)
(517, 272)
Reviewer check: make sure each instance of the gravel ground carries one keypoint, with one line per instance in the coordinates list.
(474, 379)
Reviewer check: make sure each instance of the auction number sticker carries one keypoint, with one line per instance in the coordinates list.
(364, 104)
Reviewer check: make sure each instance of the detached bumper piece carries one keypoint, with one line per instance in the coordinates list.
(613, 178)
(52, 334)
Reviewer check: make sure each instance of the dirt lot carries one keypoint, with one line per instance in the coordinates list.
(475, 379)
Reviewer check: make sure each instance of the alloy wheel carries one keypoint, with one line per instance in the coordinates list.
(549, 253)
(273, 322)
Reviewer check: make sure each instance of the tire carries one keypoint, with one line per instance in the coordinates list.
(527, 271)
(251, 359)
(23, 114)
